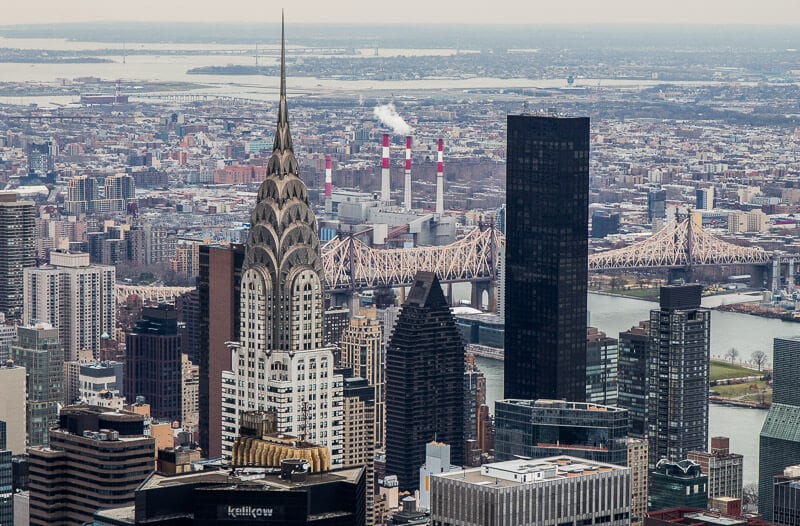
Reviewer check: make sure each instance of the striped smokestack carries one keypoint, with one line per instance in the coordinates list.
(407, 200)
(385, 178)
(328, 178)
(440, 179)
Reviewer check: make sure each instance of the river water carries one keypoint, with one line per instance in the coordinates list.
(747, 333)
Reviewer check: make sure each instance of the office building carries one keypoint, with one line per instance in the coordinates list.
(779, 444)
(632, 373)
(335, 321)
(358, 438)
(543, 428)
(604, 223)
(280, 362)
(190, 382)
(12, 405)
(677, 485)
(723, 468)
(39, 351)
(547, 175)
(219, 294)
(96, 459)
(640, 471)
(702, 517)
(424, 382)
(76, 297)
(786, 497)
(602, 356)
(679, 347)
(362, 353)
(18, 246)
(41, 157)
(576, 491)
(289, 496)
(153, 362)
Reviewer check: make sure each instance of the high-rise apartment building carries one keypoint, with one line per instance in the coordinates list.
(632, 376)
(679, 348)
(522, 492)
(76, 297)
(704, 198)
(723, 468)
(362, 352)
(656, 204)
(219, 294)
(153, 362)
(41, 159)
(424, 382)
(547, 174)
(602, 356)
(82, 193)
(637, 463)
(96, 459)
(12, 405)
(280, 362)
(543, 428)
(358, 439)
(18, 249)
(779, 444)
(190, 382)
(39, 351)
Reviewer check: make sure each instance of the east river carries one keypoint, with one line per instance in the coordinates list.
(746, 333)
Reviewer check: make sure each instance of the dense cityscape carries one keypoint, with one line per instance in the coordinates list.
(408, 277)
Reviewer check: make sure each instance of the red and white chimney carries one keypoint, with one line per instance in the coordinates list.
(407, 193)
(440, 179)
(328, 178)
(385, 175)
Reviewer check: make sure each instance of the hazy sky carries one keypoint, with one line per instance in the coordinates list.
(408, 11)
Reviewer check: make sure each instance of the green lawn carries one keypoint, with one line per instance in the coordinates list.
(721, 369)
(749, 389)
(638, 293)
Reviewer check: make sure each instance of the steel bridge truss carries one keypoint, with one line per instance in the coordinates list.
(350, 264)
(680, 244)
(150, 294)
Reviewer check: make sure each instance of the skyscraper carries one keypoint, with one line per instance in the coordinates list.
(546, 264)
(12, 406)
(280, 362)
(424, 382)
(362, 352)
(39, 351)
(779, 444)
(679, 348)
(17, 246)
(75, 296)
(633, 376)
(153, 366)
(602, 355)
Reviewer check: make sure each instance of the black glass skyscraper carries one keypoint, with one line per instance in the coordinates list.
(424, 382)
(547, 176)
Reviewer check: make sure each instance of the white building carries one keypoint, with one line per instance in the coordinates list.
(12, 405)
(280, 363)
(73, 295)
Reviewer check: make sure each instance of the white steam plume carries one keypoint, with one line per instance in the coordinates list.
(387, 114)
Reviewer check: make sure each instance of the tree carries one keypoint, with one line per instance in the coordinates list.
(759, 359)
(750, 496)
(732, 354)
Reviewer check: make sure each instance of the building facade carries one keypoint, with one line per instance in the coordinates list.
(18, 246)
(424, 382)
(6, 480)
(679, 347)
(153, 362)
(543, 428)
(12, 406)
(362, 352)
(96, 459)
(602, 356)
(39, 351)
(677, 485)
(723, 468)
(632, 373)
(280, 362)
(786, 497)
(76, 297)
(555, 490)
(358, 439)
(640, 475)
(547, 175)
(779, 443)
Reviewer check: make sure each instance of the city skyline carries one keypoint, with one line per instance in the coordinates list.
(780, 12)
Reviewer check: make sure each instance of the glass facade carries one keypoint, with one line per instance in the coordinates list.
(677, 485)
(633, 377)
(547, 207)
(543, 428)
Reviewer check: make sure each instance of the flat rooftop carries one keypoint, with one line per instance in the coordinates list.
(519, 472)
